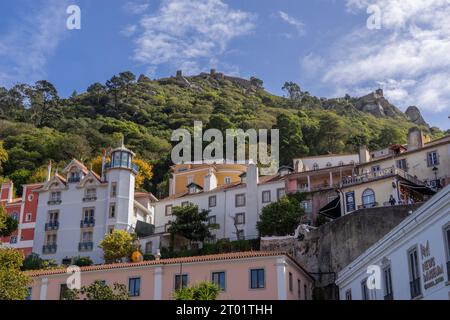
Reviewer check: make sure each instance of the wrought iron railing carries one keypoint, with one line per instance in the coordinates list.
(87, 223)
(89, 198)
(49, 248)
(52, 225)
(53, 202)
(85, 246)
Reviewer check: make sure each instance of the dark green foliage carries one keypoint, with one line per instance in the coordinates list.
(221, 246)
(281, 218)
(190, 223)
(82, 261)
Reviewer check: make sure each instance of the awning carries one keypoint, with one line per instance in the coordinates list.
(423, 189)
(333, 209)
(144, 229)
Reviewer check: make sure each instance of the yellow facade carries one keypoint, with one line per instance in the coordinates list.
(184, 174)
(382, 189)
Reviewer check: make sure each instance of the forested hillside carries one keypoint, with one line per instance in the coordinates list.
(37, 125)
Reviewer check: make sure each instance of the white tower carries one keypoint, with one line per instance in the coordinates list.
(120, 173)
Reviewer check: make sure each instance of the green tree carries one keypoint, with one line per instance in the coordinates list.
(99, 291)
(35, 262)
(190, 223)
(118, 245)
(202, 291)
(281, 218)
(291, 138)
(332, 133)
(114, 85)
(97, 90)
(390, 135)
(127, 78)
(45, 105)
(293, 90)
(13, 282)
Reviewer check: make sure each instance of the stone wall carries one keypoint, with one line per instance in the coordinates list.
(328, 249)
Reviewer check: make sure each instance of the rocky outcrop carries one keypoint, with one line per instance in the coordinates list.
(376, 104)
(414, 115)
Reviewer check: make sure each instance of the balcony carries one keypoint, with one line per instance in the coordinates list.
(415, 288)
(351, 180)
(49, 248)
(85, 246)
(52, 225)
(87, 223)
(89, 198)
(54, 202)
(74, 179)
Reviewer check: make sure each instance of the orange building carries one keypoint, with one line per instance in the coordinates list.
(183, 175)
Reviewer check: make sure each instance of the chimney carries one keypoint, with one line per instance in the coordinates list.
(415, 139)
(103, 165)
(49, 170)
(210, 182)
(364, 155)
(252, 174)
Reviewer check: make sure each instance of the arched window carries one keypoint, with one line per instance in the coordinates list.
(329, 164)
(315, 166)
(368, 198)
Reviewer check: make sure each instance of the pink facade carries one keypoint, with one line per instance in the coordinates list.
(279, 277)
(25, 210)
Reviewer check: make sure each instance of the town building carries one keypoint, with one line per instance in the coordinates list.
(400, 174)
(412, 261)
(426, 161)
(24, 210)
(240, 276)
(78, 207)
(184, 174)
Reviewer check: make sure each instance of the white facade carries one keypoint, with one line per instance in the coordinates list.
(410, 262)
(243, 202)
(76, 210)
(324, 161)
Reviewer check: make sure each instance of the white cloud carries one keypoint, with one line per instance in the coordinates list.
(25, 49)
(297, 24)
(135, 7)
(409, 57)
(189, 33)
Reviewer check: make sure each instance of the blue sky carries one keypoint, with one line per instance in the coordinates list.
(324, 45)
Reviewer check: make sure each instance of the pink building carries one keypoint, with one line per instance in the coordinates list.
(242, 276)
(24, 210)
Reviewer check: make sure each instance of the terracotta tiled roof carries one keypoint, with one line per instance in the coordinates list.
(215, 257)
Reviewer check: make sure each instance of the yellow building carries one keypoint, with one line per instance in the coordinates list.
(183, 175)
